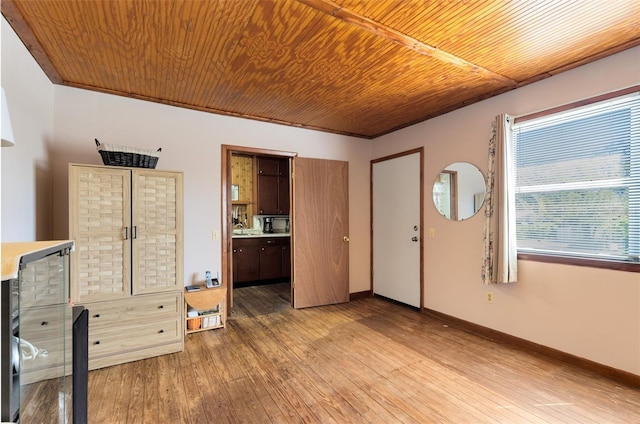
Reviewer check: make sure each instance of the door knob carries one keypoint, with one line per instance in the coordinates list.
(414, 238)
(345, 238)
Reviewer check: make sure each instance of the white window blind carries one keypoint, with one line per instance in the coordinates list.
(578, 182)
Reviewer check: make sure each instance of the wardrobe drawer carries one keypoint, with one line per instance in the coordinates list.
(134, 336)
(143, 307)
(44, 323)
(44, 353)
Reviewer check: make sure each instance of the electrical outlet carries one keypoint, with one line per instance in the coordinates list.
(432, 232)
(215, 235)
(489, 297)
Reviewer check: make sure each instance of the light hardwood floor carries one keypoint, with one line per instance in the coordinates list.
(367, 361)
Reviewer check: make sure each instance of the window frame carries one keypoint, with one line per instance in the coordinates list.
(576, 260)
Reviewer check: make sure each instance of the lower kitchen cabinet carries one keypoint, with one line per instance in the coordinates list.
(270, 262)
(286, 261)
(261, 259)
(246, 261)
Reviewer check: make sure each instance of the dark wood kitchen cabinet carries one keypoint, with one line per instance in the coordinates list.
(273, 186)
(246, 260)
(270, 262)
(261, 258)
(286, 261)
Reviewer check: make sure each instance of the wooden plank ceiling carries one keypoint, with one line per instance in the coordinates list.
(356, 67)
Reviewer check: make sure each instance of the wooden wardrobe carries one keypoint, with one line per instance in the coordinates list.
(127, 268)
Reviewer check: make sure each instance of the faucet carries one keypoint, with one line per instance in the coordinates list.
(241, 226)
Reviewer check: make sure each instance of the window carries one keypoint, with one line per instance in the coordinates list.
(578, 181)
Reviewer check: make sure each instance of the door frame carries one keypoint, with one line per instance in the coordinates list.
(419, 150)
(225, 215)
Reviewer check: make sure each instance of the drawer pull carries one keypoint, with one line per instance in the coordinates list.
(97, 315)
(97, 342)
(161, 307)
(161, 331)
(44, 323)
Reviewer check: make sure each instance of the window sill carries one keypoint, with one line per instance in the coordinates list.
(593, 263)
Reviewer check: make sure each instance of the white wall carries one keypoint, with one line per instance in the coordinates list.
(26, 167)
(591, 313)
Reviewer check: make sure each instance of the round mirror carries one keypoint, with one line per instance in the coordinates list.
(458, 192)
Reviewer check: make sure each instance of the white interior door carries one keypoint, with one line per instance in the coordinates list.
(397, 228)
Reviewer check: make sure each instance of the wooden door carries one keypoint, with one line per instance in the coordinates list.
(157, 231)
(321, 232)
(397, 227)
(99, 222)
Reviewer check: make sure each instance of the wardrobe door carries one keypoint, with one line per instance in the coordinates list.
(157, 240)
(99, 223)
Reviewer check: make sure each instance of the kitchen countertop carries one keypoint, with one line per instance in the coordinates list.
(260, 235)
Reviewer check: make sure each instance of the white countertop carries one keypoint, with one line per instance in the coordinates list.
(260, 235)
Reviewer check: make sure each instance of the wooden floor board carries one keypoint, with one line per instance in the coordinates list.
(275, 406)
(196, 387)
(366, 361)
(477, 358)
(136, 415)
(150, 399)
(97, 401)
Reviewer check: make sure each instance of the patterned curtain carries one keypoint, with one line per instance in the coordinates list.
(500, 263)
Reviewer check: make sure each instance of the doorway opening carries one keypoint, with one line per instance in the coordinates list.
(256, 220)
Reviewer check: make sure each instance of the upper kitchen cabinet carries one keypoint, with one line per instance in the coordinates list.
(273, 186)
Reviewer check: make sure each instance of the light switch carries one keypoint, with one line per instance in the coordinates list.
(215, 235)
(432, 232)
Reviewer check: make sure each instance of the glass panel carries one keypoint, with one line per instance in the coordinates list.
(45, 341)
